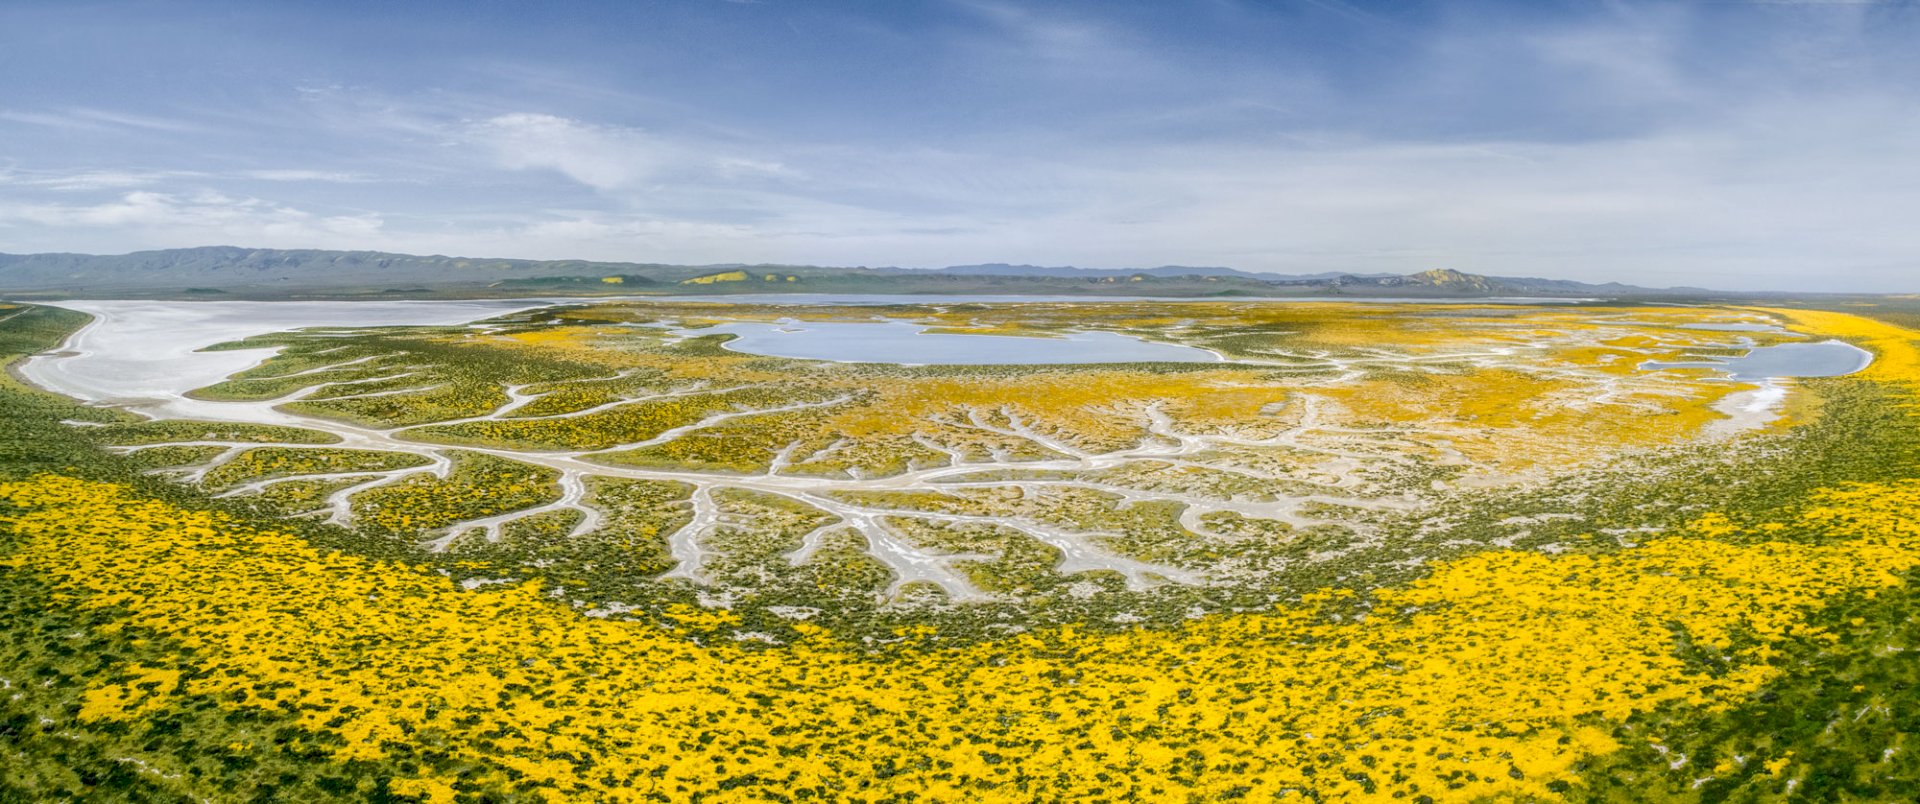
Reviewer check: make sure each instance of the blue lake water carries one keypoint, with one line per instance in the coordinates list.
(905, 343)
(1823, 359)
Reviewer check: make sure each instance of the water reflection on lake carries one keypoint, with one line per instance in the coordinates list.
(1823, 359)
(906, 343)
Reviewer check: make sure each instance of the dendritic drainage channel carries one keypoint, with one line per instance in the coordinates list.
(1156, 475)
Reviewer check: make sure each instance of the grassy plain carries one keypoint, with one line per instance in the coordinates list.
(1433, 552)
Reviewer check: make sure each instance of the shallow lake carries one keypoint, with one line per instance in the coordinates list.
(1823, 359)
(906, 343)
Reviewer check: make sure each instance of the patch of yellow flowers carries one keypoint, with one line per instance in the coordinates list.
(1491, 677)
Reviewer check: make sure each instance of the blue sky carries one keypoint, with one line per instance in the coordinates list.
(1763, 145)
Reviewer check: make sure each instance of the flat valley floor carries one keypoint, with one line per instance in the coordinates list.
(607, 551)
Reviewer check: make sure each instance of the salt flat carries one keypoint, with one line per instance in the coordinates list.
(147, 355)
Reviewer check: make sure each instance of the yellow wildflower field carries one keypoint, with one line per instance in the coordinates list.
(1492, 675)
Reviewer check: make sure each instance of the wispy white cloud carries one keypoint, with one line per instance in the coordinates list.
(605, 157)
(83, 118)
(89, 180)
(207, 217)
(82, 180)
(295, 174)
(1048, 35)
(1027, 42)
(739, 167)
(616, 159)
(1632, 59)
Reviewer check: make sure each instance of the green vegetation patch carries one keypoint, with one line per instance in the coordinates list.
(174, 430)
(479, 486)
(270, 462)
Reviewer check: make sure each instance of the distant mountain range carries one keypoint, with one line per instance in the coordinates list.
(1003, 269)
(231, 272)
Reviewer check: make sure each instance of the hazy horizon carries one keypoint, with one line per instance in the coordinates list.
(1761, 145)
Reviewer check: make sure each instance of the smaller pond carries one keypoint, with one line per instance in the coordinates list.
(906, 343)
(1823, 359)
